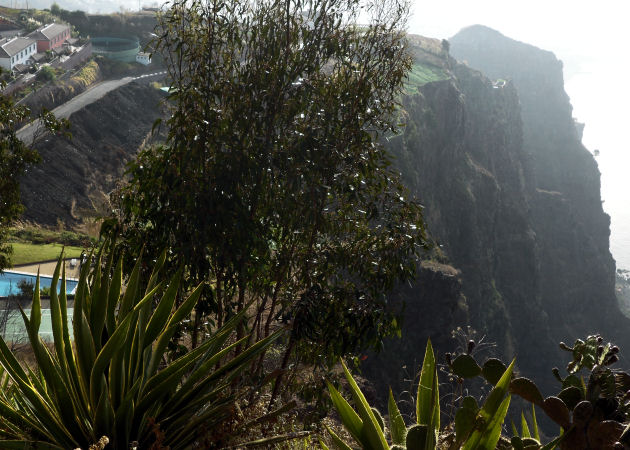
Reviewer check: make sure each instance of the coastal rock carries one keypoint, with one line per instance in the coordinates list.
(512, 199)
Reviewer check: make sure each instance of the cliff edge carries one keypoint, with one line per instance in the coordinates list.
(512, 200)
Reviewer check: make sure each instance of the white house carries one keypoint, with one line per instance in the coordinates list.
(17, 50)
(143, 58)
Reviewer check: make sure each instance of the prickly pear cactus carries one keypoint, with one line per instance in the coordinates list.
(593, 411)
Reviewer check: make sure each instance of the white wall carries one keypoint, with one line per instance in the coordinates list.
(143, 59)
(22, 56)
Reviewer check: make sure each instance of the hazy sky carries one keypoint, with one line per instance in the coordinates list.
(542, 23)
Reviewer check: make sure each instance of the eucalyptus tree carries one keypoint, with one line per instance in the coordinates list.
(273, 182)
(15, 157)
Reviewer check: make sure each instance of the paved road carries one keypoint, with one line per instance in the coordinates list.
(26, 133)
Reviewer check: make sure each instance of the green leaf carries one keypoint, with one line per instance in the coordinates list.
(341, 445)
(492, 370)
(465, 366)
(524, 428)
(493, 429)
(515, 430)
(180, 314)
(535, 431)
(349, 418)
(371, 432)
(104, 414)
(153, 280)
(162, 313)
(131, 293)
(495, 398)
(114, 297)
(113, 344)
(527, 390)
(56, 319)
(491, 412)
(397, 427)
(425, 395)
(36, 309)
(98, 310)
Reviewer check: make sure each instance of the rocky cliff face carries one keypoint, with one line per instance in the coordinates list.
(512, 198)
(577, 273)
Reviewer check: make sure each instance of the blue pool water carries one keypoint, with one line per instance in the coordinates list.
(9, 283)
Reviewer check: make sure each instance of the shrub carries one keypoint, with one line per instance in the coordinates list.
(480, 429)
(592, 414)
(46, 73)
(112, 380)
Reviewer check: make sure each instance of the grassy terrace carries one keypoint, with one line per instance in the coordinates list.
(24, 253)
(424, 73)
(33, 244)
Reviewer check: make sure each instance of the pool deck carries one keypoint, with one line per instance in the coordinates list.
(47, 268)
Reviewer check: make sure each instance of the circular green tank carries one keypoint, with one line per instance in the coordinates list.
(122, 49)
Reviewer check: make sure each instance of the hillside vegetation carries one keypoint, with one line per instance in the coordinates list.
(422, 73)
(275, 220)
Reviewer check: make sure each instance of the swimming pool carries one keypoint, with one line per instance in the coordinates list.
(9, 283)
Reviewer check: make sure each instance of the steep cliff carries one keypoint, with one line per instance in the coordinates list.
(512, 198)
(577, 271)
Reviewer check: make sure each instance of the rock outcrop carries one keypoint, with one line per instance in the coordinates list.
(513, 200)
(577, 271)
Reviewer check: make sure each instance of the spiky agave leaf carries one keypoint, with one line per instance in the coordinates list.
(111, 382)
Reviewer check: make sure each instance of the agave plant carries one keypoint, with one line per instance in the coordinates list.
(109, 378)
(476, 428)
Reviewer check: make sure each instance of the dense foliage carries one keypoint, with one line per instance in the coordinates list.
(15, 157)
(106, 376)
(273, 182)
(368, 428)
(592, 411)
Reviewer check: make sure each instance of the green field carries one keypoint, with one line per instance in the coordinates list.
(424, 73)
(33, 253)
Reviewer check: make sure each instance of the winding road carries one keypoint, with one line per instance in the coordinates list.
(27, 133)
